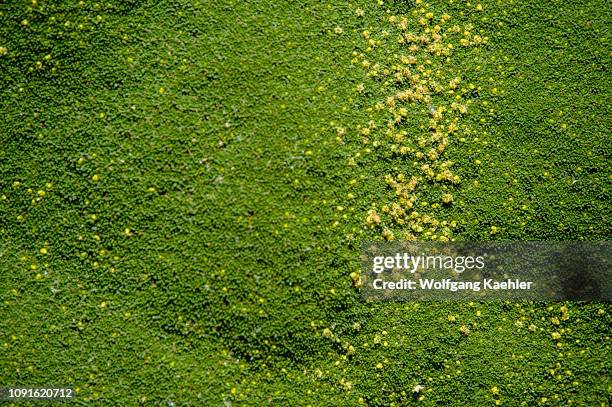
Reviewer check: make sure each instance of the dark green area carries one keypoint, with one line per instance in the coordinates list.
(192, 252)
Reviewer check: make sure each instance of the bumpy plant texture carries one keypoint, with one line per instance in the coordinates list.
(185, 186)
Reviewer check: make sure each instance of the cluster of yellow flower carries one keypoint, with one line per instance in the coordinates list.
(426, 89)
(37, 196)
(49, 20)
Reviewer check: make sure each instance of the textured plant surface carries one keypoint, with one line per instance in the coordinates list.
(185, 186)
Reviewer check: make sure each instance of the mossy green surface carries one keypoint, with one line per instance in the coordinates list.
(175, 215)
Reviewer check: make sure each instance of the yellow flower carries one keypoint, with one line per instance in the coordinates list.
(356, 279)
(95, 178)
(388, 234)
(373, 218)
